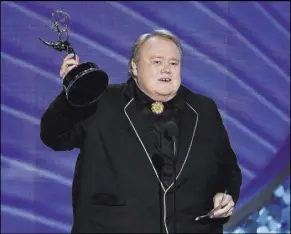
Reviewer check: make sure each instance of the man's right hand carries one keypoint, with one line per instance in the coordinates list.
(68, 64)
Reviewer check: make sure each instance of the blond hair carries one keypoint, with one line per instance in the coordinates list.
(143, 38)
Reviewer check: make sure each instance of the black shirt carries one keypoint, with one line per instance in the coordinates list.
(161, 146)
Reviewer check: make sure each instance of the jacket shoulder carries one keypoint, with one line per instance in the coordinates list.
(198, 100)
(112, 92)
(115, 88)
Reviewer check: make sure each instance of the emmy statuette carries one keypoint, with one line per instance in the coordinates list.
(86, 82)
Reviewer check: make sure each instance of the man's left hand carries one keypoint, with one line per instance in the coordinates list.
(226, 204)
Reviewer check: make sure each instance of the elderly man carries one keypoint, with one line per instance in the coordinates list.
(124, 174)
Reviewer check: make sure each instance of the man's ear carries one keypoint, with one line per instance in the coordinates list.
(134, 68)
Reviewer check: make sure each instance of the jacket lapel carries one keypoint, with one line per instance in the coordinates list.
(189, 123)
(135, 119)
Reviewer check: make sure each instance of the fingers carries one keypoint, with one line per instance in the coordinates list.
(229, 213)
(70, 68)
(221, 200)
(226, 200)
(69, 56)
(68, 64)
(69, 60)
(77, 59)
(225, 211)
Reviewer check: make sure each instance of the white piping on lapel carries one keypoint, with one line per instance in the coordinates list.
(142, 144)
(165, 191)
(194, 131)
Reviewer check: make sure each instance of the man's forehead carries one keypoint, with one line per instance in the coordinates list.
(160, 47)
(159, 43)
(165, 57)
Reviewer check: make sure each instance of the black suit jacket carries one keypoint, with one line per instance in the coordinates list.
(116, 186)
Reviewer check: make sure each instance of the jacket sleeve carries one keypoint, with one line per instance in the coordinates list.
(230, 177)
(61, 126)
(229, 173)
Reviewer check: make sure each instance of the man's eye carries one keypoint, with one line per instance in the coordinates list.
(157, 62)
(174, 64)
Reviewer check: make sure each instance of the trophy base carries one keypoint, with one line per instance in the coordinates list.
(84, 84)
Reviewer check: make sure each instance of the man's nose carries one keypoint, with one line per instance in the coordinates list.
(166, 69)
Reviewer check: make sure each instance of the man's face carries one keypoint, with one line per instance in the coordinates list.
(158, 68)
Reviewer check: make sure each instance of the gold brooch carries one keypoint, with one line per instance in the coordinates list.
(157, 107)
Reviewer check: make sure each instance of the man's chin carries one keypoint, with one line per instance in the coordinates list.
(164, 96)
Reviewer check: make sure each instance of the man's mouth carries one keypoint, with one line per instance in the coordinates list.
(165, 79)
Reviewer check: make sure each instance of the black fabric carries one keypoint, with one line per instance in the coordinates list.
(115, 188)
(161, 146)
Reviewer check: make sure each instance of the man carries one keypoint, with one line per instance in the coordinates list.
(123, 179)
